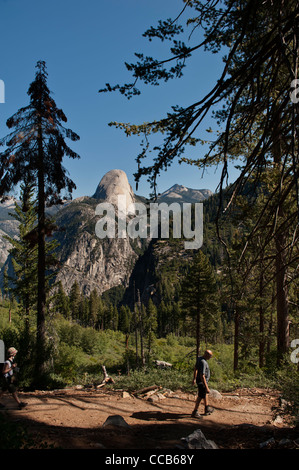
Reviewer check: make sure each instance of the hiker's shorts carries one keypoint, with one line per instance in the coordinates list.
(202, 391)
(7, 386)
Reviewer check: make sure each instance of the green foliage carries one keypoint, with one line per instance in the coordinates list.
(68, 362)
(44, 122)
(169, 379)
(23, 254)
(255, 128)
(34, 152)
(200, 297)
(288, 383)
(78, 354)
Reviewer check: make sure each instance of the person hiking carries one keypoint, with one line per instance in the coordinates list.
(201, 378)
(8, 377)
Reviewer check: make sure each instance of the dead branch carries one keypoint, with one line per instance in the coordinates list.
(145, 390)
(106, 379)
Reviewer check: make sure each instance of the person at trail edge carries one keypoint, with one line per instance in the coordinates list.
(8, 377)
(201, 378)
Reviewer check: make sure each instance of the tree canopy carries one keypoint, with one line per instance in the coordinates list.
(253, 104)
(254, 87)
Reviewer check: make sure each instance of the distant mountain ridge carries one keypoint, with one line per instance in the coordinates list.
(179, 193)
(92, 262)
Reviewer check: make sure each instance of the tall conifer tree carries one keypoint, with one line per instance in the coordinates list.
(23, 255)
(36, 147)
(199, 294)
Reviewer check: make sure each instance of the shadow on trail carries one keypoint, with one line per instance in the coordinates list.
(154, 435)
(158, 416)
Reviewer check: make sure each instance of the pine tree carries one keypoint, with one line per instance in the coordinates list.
(94, 301)
(61, 301)
(151, 324)
(35, 149)
(125, 317)
(200, 294)
(75, 301)
(101, 314)
(23, 255)
(115, 318)
(84, 310)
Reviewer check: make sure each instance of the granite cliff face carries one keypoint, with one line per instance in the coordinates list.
(93, 262)
(8, 226)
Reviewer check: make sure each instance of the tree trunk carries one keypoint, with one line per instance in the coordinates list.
(281, 298)
(141, 330)
(261, 320)
(197, 333)
(41, 290)
(236, 339)
(141, 340)
(282, 304)
(270, 327)
(9, 312)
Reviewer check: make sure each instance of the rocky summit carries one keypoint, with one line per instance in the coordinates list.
(181, 194)
(112, 185)
(92, 262)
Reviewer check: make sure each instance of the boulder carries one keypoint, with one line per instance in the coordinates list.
(116, 420)
(267, 444)
(215, 395)
(197, 440)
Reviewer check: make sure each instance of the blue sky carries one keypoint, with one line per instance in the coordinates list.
(85, 45)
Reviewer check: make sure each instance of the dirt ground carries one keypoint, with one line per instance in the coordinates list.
(74, 419)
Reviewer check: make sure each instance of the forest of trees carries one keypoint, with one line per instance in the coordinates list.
(256, 128)
(192, 297)
(241, 288)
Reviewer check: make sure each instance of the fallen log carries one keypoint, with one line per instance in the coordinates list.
(162, 364)
(150, 393)
(145, 390)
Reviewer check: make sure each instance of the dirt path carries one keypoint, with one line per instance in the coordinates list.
(73, 419)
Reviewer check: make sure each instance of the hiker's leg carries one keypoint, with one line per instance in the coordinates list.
(15, 396)
(208, 409)
(197, 403)
(1, 394)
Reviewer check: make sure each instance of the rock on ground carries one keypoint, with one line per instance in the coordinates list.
(197, 440)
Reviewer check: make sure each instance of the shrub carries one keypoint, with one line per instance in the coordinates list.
(288, 383)
(68, 362)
